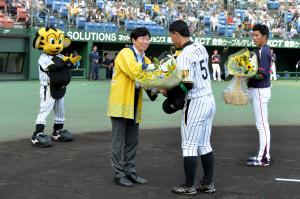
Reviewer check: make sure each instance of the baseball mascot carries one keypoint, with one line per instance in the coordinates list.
(54, 76)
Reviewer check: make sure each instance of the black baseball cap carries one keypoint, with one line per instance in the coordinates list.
(172, 105)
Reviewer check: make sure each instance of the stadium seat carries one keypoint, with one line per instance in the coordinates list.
(161, 30)
(39, 20)
(63, 10)
(273, 5)
(229, 31)
(241, 13)
(207, 30)
(130, 25)
(138, 23)
(108, 27)
(90, 27)
(113, 28)
(51, 22)
(148, 7)
(222, 19)
(221, 29)
(21, 14)
(298, 26)
(100, 3)
(206, 20)
(100, 27)
(288, 17)
(61, 25)
(8, 23)
(2, 19)
(49, 3)
(80, 22)
(56, 5)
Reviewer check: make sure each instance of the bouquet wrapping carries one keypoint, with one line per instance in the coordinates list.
(242, 65)
(165, 75)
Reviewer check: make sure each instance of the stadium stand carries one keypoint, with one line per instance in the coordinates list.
(205, 18)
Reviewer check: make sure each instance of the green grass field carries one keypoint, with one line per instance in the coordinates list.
(86, 105)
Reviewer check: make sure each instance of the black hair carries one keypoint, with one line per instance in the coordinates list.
(105, 54)
(181, 27)
(139, 32)
(263, 29)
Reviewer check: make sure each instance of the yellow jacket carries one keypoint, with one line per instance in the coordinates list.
(121, 98)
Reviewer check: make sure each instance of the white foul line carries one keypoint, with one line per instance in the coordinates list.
(287, 180)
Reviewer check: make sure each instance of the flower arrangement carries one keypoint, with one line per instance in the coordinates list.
(165, 74)
(242, 65)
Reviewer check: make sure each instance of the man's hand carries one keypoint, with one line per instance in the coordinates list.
(164, 92)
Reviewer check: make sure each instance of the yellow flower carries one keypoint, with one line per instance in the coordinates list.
(157, 72)
(167, 74)
(243, 63)
(249, 67)
(141, 76)
(172, 67)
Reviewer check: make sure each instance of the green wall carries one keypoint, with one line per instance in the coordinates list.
(20, 40)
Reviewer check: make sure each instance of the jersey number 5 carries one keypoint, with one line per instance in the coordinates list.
(204, 70)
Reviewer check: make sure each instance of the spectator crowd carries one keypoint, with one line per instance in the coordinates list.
(205, 17)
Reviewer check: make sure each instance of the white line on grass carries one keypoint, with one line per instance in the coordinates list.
(287, 180)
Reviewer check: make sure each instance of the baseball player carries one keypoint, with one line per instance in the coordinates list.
(260, 95)
(198, 111)
(273, 74)
(215, 60)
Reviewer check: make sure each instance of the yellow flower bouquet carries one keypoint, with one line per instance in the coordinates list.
(242, 65)
(165, 74)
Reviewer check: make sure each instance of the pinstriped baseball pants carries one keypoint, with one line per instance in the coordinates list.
(196, 125)
(47, 104)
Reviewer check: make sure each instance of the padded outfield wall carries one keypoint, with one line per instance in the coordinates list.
(20, 41)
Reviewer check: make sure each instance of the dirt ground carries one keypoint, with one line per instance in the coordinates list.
(81, 169)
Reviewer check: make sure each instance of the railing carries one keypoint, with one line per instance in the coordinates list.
(288, 75)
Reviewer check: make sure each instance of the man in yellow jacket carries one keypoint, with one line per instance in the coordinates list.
(125, 107)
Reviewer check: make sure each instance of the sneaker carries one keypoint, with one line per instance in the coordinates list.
(41, 140)
(62, 135)
(253, 158)
(183, 189)
(258, 163)
(206, 188)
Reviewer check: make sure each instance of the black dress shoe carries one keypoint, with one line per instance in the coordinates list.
(137, 179)
(124, 181)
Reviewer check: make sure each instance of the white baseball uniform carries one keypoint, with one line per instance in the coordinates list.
(47, 103)
(273, 68)
(199, 109)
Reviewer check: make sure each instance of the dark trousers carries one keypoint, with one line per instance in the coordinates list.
(124, 146)
(94, 71)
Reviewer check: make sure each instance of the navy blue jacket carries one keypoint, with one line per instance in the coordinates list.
(264, 68)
